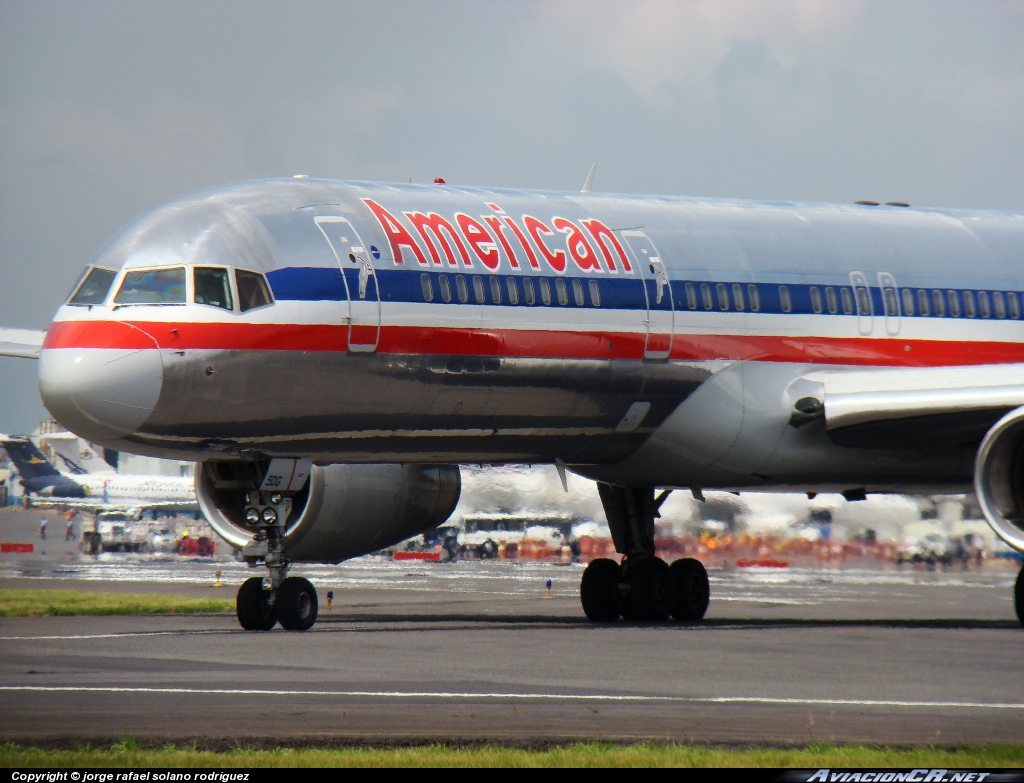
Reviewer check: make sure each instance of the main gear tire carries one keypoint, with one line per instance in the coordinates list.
(296, 604)
(1018, 596)
(599, 590)
(649, 597)
(253, 606)
(690, 590)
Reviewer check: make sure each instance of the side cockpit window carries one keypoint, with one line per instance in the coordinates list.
(94, 287)
(152, 286)
(253, 290)
(212, 287)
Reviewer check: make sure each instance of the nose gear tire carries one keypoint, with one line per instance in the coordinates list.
(650, 590)
(255, 612)
(296, 604)
(599, 590)
(690, 590)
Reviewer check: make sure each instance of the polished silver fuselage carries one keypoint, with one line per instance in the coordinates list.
(663, 374)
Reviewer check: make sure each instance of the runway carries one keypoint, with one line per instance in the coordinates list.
(473, 652)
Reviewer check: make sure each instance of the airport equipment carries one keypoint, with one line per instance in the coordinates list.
(329, 352)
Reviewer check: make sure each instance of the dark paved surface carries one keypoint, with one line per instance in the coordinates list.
(474, 651)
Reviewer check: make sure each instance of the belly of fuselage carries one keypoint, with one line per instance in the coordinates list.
(371, 407)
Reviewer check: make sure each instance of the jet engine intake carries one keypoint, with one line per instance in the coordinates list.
(999, 478)
(342, 512)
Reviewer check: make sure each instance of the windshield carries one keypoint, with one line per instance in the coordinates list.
(94, 287)
(252, 290)
(212, 287)
(153, 286)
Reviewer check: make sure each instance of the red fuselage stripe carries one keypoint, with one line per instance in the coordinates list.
(523, 343)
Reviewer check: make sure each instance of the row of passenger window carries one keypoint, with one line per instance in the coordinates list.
(167, 285)
(834, 299)
(533, 291)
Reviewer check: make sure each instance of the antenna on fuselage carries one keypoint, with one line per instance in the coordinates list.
(589, 182)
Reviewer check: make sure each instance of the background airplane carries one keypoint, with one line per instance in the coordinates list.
(102, 492)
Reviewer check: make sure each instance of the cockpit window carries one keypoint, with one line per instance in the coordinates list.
(212, 287)
(252, 290)
(94, 287)
(153, 286)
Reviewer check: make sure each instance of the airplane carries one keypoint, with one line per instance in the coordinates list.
(328, 352)
(102, 492)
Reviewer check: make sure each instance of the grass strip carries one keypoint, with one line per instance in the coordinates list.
(63, 603)
(129, 753)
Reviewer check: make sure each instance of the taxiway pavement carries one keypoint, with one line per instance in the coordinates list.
(474, 651)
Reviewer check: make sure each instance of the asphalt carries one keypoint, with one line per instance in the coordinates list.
(473, 652)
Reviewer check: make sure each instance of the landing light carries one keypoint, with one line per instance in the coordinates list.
(276, 498)
(252, 515)
(269, 516)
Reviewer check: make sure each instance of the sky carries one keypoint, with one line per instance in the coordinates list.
(108, 108)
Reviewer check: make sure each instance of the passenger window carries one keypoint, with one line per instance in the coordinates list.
(784, 300)
(253, 291)
(755, 298)
(844, 294)
(577, 292)
(705, 294)
(830, 300)
(212, 287)
(563, 295)
(691, 296)
(723, 296)
(984, 308)
(939, 302)
(1012, 306)
(94, 287)
(478, 291)
(1000, 304)
(816, 299)
(428, 289)
(954, 303)
(737, 295)
(922, 302)
(528, 291)
(545, 291)
(153, 286)
(513, 290)
(495, 290)
(462, 288)
(595, 293)
(891, 305)
(446, 288)
(969, 310)
(863, 301)
(908, 301)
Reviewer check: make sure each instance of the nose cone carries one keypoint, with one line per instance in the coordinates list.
(101, 381)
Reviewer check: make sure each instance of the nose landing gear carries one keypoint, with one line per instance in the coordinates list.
(263, 602)
(644, 588)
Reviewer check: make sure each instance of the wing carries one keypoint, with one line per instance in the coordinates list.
(24, 343)
(913, 407)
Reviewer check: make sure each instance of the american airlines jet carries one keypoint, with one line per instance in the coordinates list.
(330, 351)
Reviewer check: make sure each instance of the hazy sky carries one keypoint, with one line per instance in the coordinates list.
(107, 108)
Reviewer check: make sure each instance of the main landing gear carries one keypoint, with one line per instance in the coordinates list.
(263, 602)
(644, 588)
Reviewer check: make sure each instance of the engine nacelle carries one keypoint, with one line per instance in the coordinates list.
(343, 511)
(999, 478)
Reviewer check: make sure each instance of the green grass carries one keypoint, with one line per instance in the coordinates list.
(130, 754)
(53, 603)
